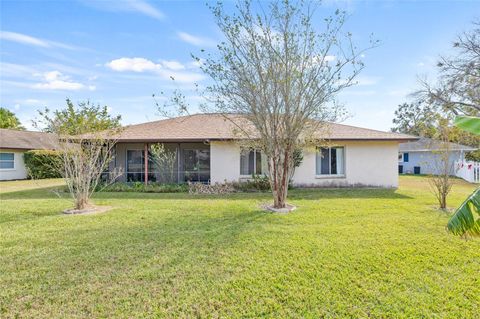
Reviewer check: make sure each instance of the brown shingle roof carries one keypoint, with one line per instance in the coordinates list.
(26, 140)
(217, 127)
(427, 145)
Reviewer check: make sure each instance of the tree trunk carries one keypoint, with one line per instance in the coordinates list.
(443, 201)
(81, 202)
(280, 181)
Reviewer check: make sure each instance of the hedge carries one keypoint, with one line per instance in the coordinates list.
(42, 164)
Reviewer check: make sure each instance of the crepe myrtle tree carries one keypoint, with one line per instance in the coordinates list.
(84, 146)
(281, 74)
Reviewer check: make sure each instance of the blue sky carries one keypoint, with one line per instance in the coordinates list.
(118, 53)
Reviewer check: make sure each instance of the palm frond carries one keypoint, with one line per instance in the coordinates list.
(466, 220)
(468, 123)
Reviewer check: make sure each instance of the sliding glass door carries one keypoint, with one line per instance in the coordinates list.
(196, 165)
(136, 167)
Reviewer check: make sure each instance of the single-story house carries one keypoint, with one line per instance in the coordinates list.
(13, 144)
(207, 149)
(424, 156)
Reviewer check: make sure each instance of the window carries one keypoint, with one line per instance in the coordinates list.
(330, 161)
(400, 157)
(7, 161)
(250, 162)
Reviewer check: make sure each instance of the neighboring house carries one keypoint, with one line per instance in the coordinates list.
(423, 156)
(13, 144)
(208, 150)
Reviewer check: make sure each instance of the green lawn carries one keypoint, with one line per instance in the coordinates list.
(343, 253)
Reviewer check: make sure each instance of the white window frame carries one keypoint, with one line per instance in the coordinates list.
(254, 162)
(344, 156)
(8, 169)
(400, 160)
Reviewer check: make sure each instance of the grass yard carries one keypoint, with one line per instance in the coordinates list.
(343, 253)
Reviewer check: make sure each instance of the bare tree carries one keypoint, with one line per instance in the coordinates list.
(279, 76)
(458, 86)
(164, 161)
(440, 180)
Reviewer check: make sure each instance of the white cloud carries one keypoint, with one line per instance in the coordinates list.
(329, 58)
(16, 70)
(138, 6)
(320, 59)
(29, 40)
(197, 64)
(23, 38)
(195, 40)
(31, 101)
(166, 69)
(132, 64)
(173, 65)
(145, 8)
(55, 80)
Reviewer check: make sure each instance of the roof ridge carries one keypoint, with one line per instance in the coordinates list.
(23, 131)
(370, 129)
(180, 117)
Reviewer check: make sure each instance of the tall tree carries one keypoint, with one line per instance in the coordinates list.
(415, 119)
(73, 120)
(419, 118)
(84, 148)
(458, 86)
(9, 120)
(282, 75)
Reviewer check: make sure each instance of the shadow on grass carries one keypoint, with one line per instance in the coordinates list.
(303, 194)
(36, 193)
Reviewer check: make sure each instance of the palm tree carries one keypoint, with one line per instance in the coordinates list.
(466, 220)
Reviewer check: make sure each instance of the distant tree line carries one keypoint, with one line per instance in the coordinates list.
(455, 92)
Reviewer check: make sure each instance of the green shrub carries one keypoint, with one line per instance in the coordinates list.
(140, 187)
(258, 183)
(473, 156)
(42, 164)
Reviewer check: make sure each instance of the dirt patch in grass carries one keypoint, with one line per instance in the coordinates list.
(89, 210)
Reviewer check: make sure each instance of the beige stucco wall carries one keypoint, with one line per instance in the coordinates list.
(19, 171)
(224, 162)
(366, 164)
